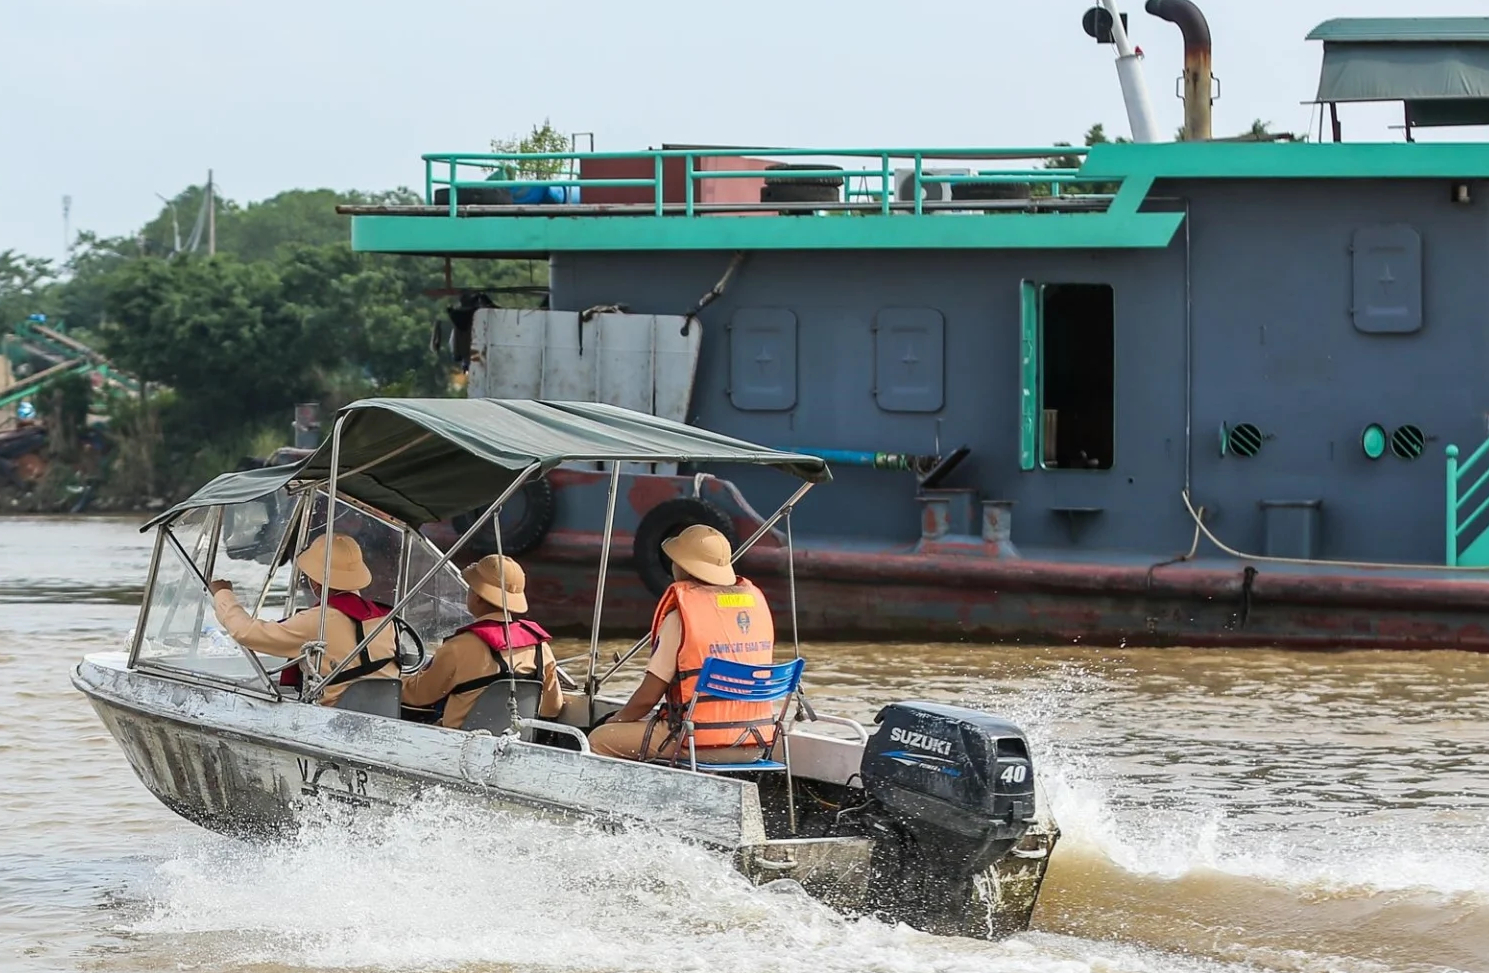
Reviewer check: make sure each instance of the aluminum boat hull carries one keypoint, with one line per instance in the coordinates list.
(255, 768)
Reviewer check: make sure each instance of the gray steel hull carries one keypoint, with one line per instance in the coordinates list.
(255, 768)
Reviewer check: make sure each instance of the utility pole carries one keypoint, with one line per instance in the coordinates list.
(67, 225)
(211, 217)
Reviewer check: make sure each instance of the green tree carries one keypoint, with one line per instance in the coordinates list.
(217, 331)
(543, 138)
(27, 286)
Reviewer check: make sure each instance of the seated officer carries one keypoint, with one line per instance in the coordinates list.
(472, 659)
(707, 611)
(346, 613)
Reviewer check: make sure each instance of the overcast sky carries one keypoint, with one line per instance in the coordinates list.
(113, 101)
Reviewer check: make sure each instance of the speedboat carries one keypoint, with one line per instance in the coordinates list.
(934, 816)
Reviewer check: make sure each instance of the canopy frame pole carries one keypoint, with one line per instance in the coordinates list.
(330, 528)
(386, 620)
(150, 576)
(591, 684)
(514, 718)
(213, 529)
(302, 533)
(791, 582)
(764, 528)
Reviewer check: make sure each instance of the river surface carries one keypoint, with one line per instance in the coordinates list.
(1223, 812)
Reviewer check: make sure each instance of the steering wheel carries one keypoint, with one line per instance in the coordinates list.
(410, 646)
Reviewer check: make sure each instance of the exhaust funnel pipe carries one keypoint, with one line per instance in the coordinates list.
(1197, 60)
(1130, 76)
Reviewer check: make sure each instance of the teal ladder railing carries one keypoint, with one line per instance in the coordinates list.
(1474, 553)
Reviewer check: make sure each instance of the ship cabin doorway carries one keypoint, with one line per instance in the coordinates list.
(1069, 360)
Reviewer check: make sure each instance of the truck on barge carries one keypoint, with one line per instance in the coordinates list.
(1211, 392)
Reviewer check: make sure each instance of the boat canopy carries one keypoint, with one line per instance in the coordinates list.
(1437, 66)
(423, 460)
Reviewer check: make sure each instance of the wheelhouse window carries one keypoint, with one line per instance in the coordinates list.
(1068, 371)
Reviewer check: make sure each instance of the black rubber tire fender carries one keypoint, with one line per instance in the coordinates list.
(989, 190)
(668, 519)
(776, 175)
(478, 196)
(533, 522)
(797, 193)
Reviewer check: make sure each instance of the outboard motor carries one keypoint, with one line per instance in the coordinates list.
(952, 790)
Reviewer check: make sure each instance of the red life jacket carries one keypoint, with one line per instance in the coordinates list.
(360, 610)
(493, 632)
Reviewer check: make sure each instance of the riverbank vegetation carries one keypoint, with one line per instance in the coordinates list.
(224, 345)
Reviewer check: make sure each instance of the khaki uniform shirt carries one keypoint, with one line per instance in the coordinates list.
(287, 639)
(663, 661)
(463, 657)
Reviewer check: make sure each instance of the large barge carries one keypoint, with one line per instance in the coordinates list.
(1208, 392)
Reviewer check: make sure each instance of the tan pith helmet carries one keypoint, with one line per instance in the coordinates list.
(486, 576)
(702, 552)
(348, 570)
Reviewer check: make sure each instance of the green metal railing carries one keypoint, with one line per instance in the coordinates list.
(1472, 553)
(445, 169)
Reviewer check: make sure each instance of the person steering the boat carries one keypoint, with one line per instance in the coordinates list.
(479, 654)
(707, 611)
(347, 612)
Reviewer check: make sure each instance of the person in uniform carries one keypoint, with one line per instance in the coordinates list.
(480, 653)
(346, 616)
(708, 611)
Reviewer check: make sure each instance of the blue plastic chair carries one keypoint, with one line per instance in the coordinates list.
(736, 681)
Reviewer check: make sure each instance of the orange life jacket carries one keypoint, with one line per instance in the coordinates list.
(731, 622)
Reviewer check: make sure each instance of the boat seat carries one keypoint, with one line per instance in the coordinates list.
(379, 697)
(491, 712)
(723, 679)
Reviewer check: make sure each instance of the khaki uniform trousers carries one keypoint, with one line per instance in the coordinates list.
(624, 740)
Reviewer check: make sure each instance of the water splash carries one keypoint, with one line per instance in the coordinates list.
(444, 887)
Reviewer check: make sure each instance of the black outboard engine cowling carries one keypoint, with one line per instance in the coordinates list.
(958, 782)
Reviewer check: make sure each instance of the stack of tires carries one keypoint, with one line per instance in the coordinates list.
(800, 189)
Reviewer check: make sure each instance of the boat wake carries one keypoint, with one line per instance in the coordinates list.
(441, 886)
(1280, 881)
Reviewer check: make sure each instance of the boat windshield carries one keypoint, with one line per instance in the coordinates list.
(237, 543)
(397, 558)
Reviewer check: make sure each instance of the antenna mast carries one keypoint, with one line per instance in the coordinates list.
(211, 217)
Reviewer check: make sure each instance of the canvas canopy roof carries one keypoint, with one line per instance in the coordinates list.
(422, 460)
(1438, 66)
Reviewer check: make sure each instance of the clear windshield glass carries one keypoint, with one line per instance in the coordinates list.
(437, 610)
(439, 607)
(181, 630)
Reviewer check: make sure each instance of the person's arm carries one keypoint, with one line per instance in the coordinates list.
(660, 671)
(285, 639)
(434, 683)
(552, 702)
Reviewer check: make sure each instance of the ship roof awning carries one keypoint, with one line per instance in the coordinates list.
(422, 460)
(1437, 66)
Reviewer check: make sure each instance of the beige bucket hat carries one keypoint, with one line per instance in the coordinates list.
(348, 570)
(702, 552)
(485, 578)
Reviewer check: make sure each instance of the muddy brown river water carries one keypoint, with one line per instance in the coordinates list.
(1223, 811)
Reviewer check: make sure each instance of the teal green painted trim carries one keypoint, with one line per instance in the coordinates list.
(1407, 30)
(1452, 507)
(1031, 325)
(1288, 160)
(542, 235)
